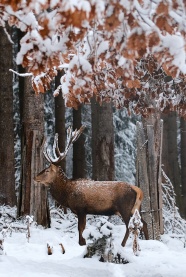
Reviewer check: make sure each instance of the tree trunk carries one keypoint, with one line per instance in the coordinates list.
(183, 165)
(149, 172)
(7, 177)
(60, 123)
(78, 148)
(33, 199)
(60, 119)
(170, 154)
(142, 179)
(102, 141)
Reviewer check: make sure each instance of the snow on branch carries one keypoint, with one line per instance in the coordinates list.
(21, 74)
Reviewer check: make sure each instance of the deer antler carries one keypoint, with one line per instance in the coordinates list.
(72, 136)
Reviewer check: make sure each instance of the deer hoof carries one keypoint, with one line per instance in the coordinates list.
(123, 243)
(82, 242)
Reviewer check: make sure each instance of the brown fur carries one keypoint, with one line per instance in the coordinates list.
(92, 197)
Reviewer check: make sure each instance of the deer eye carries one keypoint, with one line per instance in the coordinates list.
(47, 170)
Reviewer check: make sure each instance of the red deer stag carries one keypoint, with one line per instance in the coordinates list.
(85, 196)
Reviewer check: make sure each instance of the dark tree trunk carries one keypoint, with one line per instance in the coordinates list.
(149, 147)
(170, 154)
(60, 123)
(102, 141)
(33, 198)
(183, 164)
(60, 119)
(7, 178)
(78, 148)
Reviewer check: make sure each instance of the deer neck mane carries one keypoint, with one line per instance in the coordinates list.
(62, 176)
(59, 188)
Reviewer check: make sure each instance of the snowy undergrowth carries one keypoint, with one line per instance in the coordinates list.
(174, 224)
(30, 259)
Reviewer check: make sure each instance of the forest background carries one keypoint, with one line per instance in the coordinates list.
(126, 54)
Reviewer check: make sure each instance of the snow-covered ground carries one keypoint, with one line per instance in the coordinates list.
(30, 259)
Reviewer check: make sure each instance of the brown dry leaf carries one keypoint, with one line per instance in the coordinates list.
(137, 83)
(44, 32)
(162, 23)
(77, 91)
(128, 54)
(169, 28)
(150, 65)
(119, 71)
(38, 86)
(65, 57)
(133, 84)
(137, 42)
(13, 3)
(153, 39)
(127, 94)
(110, 80)
(112, 22)
(175, 4)
(131, 20)
(162, 8)
(74, 18)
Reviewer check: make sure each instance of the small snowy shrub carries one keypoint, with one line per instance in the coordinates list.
(135, 225)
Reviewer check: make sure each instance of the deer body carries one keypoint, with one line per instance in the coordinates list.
(84, 196)
(91, 197)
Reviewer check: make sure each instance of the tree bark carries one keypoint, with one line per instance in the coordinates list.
(7, 172)
(78, 148)
(102, 141)
(170, 154)
(60, 119)
(183, 164)
(149, 172)
(33, 199)
(142, 179)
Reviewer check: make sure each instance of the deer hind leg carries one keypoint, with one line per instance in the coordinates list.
(126, 236)
(125, 217)
(81, 227)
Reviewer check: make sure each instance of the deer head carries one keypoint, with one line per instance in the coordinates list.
(48, 175)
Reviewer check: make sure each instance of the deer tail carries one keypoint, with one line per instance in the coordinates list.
(139, 198)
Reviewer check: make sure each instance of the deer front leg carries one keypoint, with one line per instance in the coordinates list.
(81, 227)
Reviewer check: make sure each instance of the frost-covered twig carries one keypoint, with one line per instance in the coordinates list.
(29, 220)
(135, 225)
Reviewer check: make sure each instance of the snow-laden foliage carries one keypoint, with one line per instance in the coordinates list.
(125, 141)
(86, 121)
(9, 222)
(173, 223)
(129, 52)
